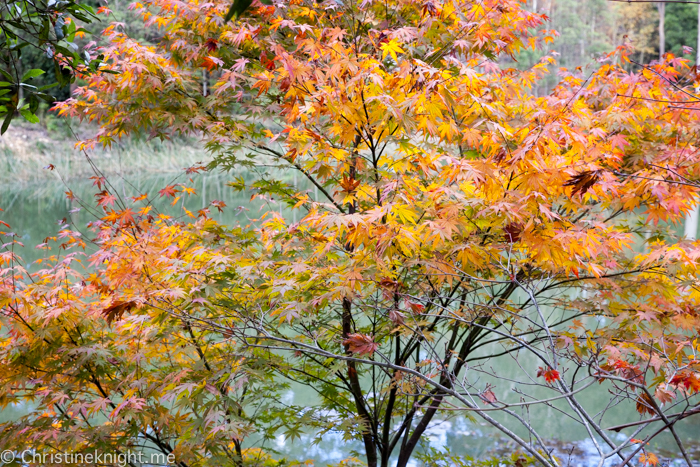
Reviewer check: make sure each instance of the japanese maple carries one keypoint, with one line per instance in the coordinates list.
(453, 220)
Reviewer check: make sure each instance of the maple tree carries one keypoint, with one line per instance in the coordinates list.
(459, 222)
(111, 373)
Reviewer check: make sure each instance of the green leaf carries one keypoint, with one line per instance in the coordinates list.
(28, 116)
(48, 86)
(7, 75)
(237, 9)
(6, 122)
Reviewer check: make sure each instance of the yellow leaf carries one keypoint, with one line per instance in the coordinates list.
(392, 48)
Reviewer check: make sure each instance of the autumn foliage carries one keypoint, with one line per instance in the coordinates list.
(449, 220)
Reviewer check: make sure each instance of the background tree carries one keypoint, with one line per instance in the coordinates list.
(36, 29)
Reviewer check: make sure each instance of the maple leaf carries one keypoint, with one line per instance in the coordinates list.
(583, 181)
(391, 48)
(430, 9)
(210, 62)
(126, 217)
(168, 191)
(513, 231)
(550, 375)
(195, 169)
(687, 379)
(396, 317)
(648, 458)
(211, 44)
(349, 184)
(645, 404)
(105, 198)
(115, 311)
(220, 205)
(389, 288)
(98, 181)
(664, 396)
(488, 395)
(360, 344)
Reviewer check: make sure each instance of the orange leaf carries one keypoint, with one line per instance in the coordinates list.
(645, 404)
(648, 458)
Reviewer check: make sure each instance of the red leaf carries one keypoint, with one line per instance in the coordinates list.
(211, 44)
(687, 379)
(360, 344)
(513, 231)
(549, 375)
(105, 198)
(168, 191)
(583, 181)
(218, 205)
(115, 311)
(488, 396)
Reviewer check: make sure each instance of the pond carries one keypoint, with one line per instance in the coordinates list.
(35, 211)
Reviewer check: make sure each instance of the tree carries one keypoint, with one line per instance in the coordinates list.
(43, 31)
(638, 22)
(461, 220)
(109, 384)
(661, 6)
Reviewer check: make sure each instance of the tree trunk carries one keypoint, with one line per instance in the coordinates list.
(407, 449)
(205, 83)
(691, 223)
(662, 30)
(369, 428)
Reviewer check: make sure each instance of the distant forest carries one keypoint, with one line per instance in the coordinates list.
(586, 29)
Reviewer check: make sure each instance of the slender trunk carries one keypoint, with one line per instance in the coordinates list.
(368, 430)
(356, 390)
(410, 445)
(662, 29)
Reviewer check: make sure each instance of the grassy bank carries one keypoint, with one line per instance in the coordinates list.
(26, 152)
